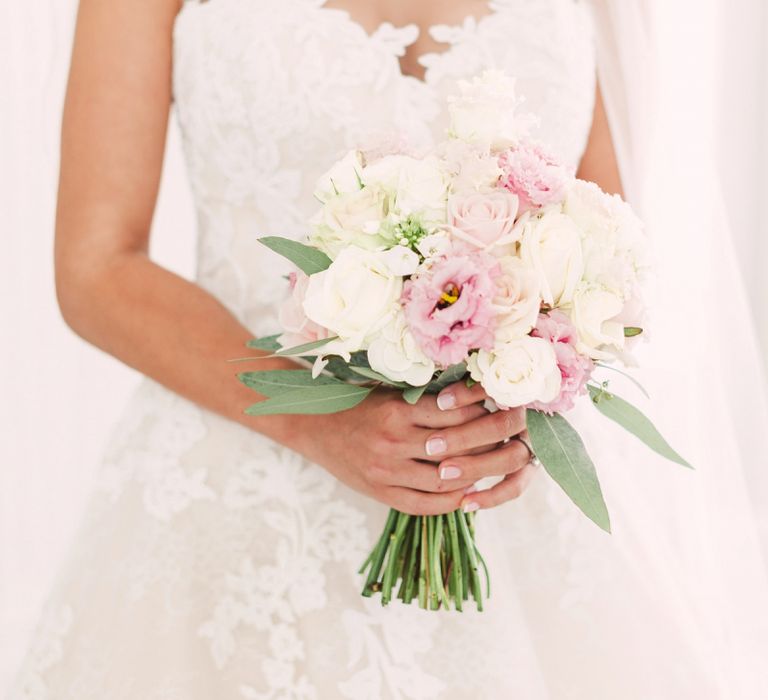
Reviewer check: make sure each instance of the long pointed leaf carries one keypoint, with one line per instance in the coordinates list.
(277, 381)
(326, 398)
(306, 258)
(268, 343)
(563, 455)
(413, 393)
(633, 420)
(305, 347)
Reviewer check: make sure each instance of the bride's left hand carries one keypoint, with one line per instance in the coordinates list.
(512, 459)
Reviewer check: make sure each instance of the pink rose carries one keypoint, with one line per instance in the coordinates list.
(575, 368)
(533, 175)
(448, 306)
(297, 328)
(482, 220)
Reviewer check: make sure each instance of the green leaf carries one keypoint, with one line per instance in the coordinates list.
(563, 455)
(274, 382)
(306, 347)
(324, 398)
(369, 373)
(413, 393)
(306, 258)
(339, 368)
(625, 374)
(453, 374)
(268, 343)
(632, 331)
(633, 420)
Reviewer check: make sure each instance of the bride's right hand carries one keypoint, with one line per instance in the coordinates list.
(420, 459)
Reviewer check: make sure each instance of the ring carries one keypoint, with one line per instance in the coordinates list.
(534, 460)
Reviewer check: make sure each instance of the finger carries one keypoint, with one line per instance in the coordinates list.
(510, 488)
(427, 414)
(425, 476)
(499, 462)
(458, 395)
(487, 430)
(415, 502)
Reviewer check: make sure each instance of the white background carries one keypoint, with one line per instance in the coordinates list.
(59, 397)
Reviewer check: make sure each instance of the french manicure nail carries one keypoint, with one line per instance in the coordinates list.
(450, 472)
(446, 400)
(469, 490)
(471, 506)
(436, 446)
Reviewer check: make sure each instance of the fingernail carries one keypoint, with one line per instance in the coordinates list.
(436, 446)
(471, 506)
(450, 472)
(446, 400)
(471, 489)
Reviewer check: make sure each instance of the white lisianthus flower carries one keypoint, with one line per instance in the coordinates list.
(417, 185)
(484, 112)
(518, 372)
(551, 245)
(434, 245)
(517, 300)
(594, 315)
(401, 260)
(355, 297)
(343, 177)
(395, 354)
(613, 241)
(351, 218)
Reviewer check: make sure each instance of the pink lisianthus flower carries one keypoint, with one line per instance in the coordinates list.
(449, 306)
(575, 368)
(533, 175)
(297, 328)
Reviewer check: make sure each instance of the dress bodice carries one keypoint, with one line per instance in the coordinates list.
(268, 94)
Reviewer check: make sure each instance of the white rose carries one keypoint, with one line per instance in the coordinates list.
(395, 354)
(343, 177)
(353, 298)
(551, 245)
(418, 185)
(594, 312)
(472, 169)
(517, 300)
(613, 240)
(484, 112)
(350, 218)
(518, 372)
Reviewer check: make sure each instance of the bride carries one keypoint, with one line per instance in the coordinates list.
(219, 556)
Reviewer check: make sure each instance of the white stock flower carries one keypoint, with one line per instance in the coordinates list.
(353, 298)
(434, 245)
(518, 372)
(613, 241)
(350, 218)
(594, 312)
(484, 112)
(343, 177)
(551, 245)
(401, 260)
(395, 354)
(517, 300)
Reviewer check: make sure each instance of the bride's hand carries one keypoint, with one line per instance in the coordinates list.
(420, 459)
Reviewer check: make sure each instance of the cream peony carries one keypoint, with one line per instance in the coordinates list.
(594, 312)
(517, 299)
(395, 354)
(518, 372)
(551, 245)
(343, 177)
(353, 298)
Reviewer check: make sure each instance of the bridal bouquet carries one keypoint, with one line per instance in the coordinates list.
(483, 260)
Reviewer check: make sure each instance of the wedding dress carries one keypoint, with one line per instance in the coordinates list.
(216, 564)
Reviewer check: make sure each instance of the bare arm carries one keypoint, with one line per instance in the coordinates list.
(115, 297)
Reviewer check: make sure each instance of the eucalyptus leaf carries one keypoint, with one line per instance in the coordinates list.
(563, 455)
(340, 369)
(320, 399)
(369, 373)
(413, 393)
(277, 381)
(309, 260)
(632, 331)
(633, 420)
(453, 374)
(306, 347)
(268, 343)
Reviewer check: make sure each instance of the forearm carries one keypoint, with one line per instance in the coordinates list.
(170, 330)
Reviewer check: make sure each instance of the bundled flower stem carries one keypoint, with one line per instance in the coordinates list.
(433, 557)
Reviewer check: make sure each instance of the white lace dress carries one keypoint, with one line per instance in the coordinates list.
(215, 564)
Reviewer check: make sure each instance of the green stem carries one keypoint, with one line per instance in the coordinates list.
(474, 576)
(410, 570)
(457, 574)
(431, 583)
(392, 557)
(437, 574)
(423, 563)
(378, 554)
